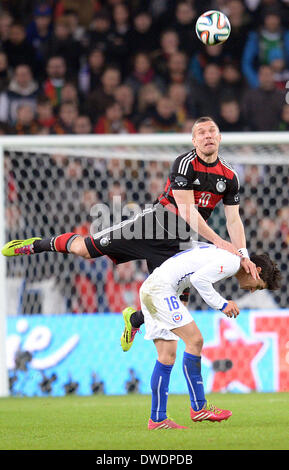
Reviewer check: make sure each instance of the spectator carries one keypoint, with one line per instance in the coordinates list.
(56, 77)
(21, 89)
(233, 81)
(164, 117)
(39, 31)
(240, 27)
(6, 21)
(261, 44)
(187, 126)
(284, 121)
(207, 96)
(82, 125)
(147, 101)
(178, 93)
(45, 117)
(207, 55)
(142, 73)
(69, 92)
(169, 44)
(230, 116)
(65, 122)
(143, 35)
(118, 46)
(122, 285)
(97, 34)
(77, 31)
(25, 123)
(177, 69)
(4, 72)
(124, 95)
(183, 24)
(61, 43)
(262, 106)
(281, 72)
(113, 122)
(18, 49)
(91, 71)
(84, 9)
(98, 99)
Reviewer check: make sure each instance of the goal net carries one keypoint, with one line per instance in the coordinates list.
(54, 185)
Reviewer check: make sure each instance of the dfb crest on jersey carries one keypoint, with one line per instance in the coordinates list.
(221, 185)
(181, 181)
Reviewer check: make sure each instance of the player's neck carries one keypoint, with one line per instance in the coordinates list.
(208, 158)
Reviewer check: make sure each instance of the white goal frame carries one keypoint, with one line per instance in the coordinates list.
(39, 143)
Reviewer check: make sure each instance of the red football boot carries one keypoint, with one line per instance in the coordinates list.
(210, 413)
(165, 424)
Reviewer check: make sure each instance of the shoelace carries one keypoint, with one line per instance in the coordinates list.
(27, 250)
(213, 408)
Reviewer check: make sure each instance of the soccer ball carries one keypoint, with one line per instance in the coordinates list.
(213, 27)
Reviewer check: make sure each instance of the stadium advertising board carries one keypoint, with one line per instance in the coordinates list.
(61, 354)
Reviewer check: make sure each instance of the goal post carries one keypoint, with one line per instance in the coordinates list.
(49, 183)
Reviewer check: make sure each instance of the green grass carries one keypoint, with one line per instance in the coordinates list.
(259, 422)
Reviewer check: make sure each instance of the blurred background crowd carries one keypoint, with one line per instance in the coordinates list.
(111, 66)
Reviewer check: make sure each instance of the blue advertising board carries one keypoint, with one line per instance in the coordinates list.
(85, 349)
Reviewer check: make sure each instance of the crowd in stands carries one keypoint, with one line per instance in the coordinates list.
(111, 66)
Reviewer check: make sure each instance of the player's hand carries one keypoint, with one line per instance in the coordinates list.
(224, 245)
(231, 309)
(250, 267)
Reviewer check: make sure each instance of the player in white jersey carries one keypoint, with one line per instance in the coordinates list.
(167, 319)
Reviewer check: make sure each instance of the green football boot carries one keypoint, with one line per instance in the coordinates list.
(19, 247)
(129, 331)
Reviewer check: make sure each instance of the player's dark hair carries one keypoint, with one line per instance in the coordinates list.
(270, 272)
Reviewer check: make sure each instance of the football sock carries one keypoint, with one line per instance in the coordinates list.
(61, 243)
(160, 387)
(137, 319)
(192, 371)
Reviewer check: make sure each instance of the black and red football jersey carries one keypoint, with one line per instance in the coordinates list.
(211, 183)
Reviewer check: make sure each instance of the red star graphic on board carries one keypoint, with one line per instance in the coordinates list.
(237, 350)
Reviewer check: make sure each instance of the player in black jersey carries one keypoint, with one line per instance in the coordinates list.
(198, 181)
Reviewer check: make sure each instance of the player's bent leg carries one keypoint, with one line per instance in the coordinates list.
(78, 247)
(64, 243)
(192, 338)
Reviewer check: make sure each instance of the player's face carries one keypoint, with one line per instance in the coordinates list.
(206, 138)
(247, 282)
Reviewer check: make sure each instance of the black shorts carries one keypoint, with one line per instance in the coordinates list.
(154, 235)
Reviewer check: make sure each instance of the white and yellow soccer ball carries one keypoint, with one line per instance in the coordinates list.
(213, 27)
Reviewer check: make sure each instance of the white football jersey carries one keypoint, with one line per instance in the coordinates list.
(200, 267)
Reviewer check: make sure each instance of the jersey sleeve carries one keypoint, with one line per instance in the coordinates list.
(223, 266)
(232, 196)
(182, 173)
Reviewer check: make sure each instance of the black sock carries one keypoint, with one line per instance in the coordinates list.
(137, 319)
(46, 244)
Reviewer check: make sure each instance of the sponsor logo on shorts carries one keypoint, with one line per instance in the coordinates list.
(177, 317)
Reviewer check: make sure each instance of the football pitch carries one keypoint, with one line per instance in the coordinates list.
(260, 421)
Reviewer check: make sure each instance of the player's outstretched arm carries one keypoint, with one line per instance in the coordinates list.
(186, 204)
(236, 232)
